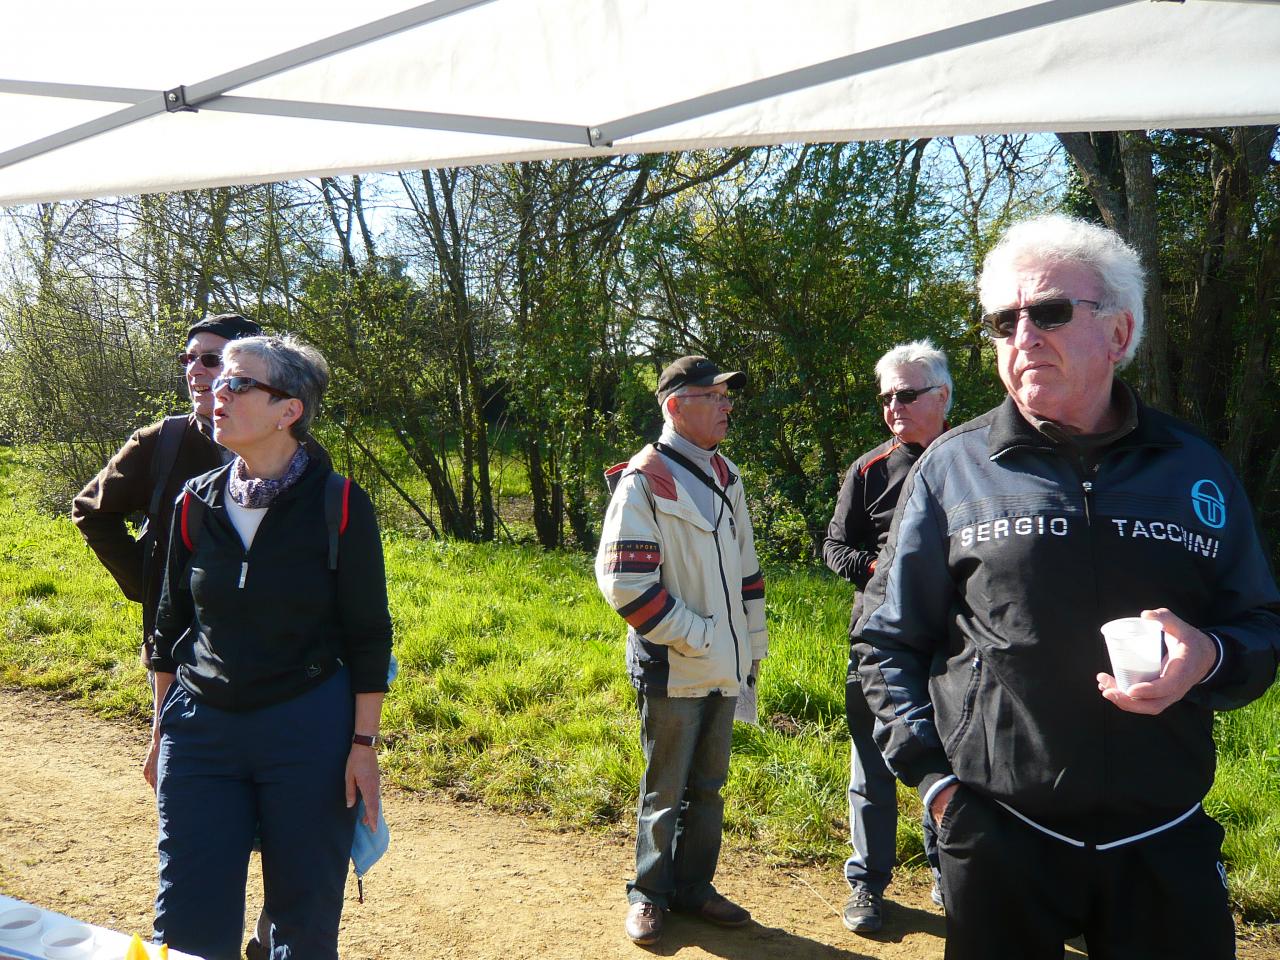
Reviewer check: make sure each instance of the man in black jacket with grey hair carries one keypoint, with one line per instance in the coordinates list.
(1064, 803)
(915, 397)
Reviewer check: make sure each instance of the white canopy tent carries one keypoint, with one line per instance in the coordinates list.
(138, 96)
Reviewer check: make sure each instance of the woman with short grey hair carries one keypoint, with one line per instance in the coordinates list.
(297, 368)
(931, 360)
(271, 657)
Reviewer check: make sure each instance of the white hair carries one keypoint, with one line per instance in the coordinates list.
(921, 352)
(1059, 239)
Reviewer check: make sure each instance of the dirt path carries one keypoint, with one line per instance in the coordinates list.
(77, 835)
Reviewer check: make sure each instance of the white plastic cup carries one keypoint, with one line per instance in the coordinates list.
(20, 923)
(1136, 647)
(69, 941)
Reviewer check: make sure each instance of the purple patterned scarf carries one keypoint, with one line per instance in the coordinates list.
(255, 493)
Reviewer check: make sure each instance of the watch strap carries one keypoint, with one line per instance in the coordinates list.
(365, 740)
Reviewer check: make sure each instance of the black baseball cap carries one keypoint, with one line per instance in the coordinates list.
(696, 371)
(232, 326)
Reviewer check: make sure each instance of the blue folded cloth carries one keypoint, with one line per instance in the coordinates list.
(368, 846)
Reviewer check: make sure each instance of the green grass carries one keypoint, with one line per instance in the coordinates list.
(513, 692)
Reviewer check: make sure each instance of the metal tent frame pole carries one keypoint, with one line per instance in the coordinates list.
(151, 103)
(211, 94)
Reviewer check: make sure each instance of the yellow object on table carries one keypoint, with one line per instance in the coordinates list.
(137, 951)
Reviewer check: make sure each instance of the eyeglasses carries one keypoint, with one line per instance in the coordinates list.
(905, 396)
(721, 399)
(245, 384)
(1047, 315)
(210, 361)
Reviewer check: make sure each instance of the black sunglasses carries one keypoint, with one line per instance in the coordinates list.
(245, 384)
(209, 361)
(905, 396)
(1047, 315)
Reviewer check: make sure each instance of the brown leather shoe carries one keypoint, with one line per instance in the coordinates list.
(723, 912)
(644, 923)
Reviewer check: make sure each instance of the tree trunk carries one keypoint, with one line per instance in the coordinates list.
(1156, 379)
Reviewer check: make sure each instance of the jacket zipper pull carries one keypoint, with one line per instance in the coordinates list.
(1088, 496)
(244, 572)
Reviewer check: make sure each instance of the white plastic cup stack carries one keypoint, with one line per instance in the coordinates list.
(20, 923)
(69, 941)
(1135, 646)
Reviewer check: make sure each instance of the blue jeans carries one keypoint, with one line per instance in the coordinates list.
(224, 775)
(680, 816)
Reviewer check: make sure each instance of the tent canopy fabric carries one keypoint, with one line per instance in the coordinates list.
(138, 96)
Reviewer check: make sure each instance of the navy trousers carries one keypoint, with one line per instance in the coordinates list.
(224, 775)
(873, 800)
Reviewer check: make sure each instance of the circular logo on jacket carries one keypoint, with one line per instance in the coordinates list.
(1209, 503)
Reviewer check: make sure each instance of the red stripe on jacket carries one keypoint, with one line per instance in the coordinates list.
(637, 618)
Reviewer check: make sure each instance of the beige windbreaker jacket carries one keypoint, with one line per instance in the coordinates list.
(692, 595)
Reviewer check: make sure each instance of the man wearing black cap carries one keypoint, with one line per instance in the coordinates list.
(145, 477)
(147, 473)
(677, 561)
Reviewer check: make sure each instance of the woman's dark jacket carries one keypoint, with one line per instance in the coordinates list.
(244, 629)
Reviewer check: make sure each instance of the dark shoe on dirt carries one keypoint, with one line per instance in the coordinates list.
(723, 912)
(863, 911)
(644, 923)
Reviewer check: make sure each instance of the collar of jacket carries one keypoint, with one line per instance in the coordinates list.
(1010, 430)
(211, 487)
(661, 480)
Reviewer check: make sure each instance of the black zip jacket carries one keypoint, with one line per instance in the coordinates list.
(246, 629)
(979, 643)
(860, 525)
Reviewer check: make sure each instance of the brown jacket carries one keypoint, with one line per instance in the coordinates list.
(122, 491)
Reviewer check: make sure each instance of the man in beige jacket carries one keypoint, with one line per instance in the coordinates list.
(677, 561)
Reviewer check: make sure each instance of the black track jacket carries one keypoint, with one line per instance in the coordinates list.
(247, 628)
(859, 528)
(979, 642)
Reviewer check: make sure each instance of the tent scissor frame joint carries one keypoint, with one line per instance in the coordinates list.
(175, 100)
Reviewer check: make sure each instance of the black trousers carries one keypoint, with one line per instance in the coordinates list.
(1014, 893)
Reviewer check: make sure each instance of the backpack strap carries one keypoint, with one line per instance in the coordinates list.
(190, 519)
(172, 429)
(337, 511)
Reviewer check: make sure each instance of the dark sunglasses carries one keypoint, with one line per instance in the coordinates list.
(210, 360)
(905, 396)
(1047, 315)
(245, 384)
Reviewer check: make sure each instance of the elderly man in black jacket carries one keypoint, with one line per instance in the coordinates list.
(915, 395)
(1063, 803)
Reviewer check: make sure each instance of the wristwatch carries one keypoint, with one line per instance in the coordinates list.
(366, 741)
